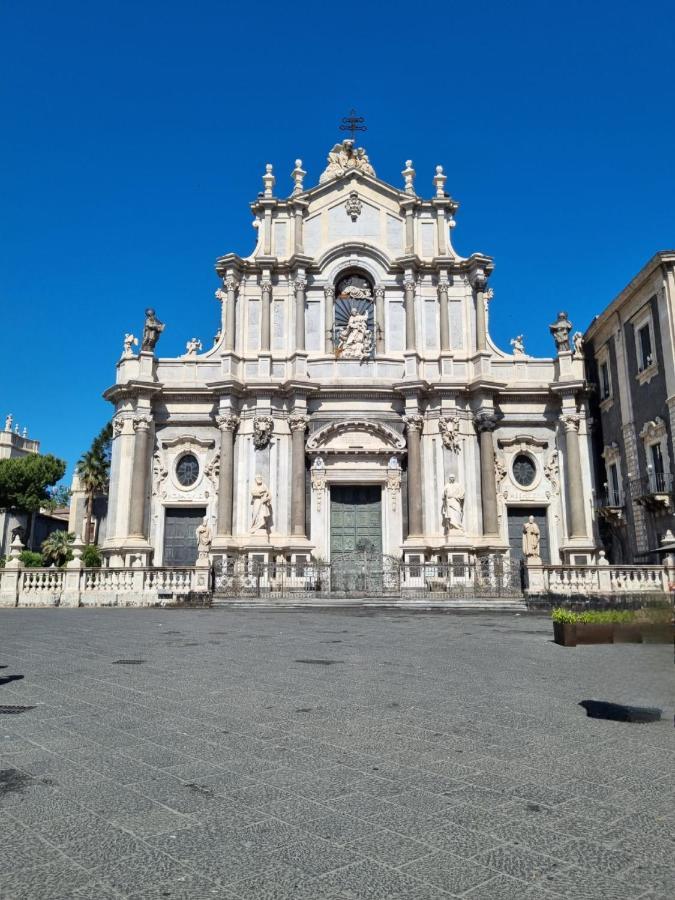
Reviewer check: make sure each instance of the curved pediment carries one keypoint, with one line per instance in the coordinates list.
(356, 436)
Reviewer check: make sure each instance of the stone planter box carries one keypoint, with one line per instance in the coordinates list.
(568, 634)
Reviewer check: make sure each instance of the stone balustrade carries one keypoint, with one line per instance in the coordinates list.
(596, 580)
(101, 587)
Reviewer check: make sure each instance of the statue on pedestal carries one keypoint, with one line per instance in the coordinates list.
(151, 331)
(203, 533)
(193, 347)
(561, 332)
(518, 345)
(261, 502)
(531, 539)
(452, 509)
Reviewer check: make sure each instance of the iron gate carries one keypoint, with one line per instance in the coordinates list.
(363, 574)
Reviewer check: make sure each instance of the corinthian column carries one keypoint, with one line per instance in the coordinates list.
(480, 283)
(575, 491)
(299, 286)
(444, 320)
(379, 319)
(231, 286)
(485, 424)
(227, 425)
(265, 309)
(329, 308)
(298, 424)
(139, 477)
(414, 424)
(409, 286)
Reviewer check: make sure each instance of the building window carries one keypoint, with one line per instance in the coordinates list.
(605, 386)
(645, 357)
(656, 469)
(524, 470)
(187, 470)
(613, 485)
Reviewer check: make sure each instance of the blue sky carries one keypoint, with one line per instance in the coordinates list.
(135, 135)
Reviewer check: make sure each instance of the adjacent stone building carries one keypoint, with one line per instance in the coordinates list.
(630, 350)
(353, 399)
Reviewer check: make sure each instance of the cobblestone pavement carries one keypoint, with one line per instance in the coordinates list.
(334, 754)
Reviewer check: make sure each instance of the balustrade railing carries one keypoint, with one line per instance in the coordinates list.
(41, 581)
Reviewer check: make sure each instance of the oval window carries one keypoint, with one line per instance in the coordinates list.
(187, 470)
(524, 470)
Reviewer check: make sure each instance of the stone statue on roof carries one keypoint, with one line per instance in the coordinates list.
(344, 157)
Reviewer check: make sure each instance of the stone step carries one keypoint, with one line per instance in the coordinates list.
(500, 605)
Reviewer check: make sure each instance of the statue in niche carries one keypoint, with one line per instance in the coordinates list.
(452, 509)
(531, 539)
(356, 341)
(561, 332)
(129, 341)
(203, 533)
(151, 331)
(261, 503)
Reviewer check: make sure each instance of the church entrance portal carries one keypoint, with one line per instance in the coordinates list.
(355, 535)
(180, 535)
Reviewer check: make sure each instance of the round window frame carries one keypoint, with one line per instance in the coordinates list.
(200, 470)
(537, 471)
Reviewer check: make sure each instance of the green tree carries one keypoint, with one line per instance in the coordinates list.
(58, 498)
(25, 483)
(57, 548)
(93, 470)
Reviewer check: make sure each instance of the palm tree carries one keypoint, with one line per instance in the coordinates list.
(56, 548)
(93, 470)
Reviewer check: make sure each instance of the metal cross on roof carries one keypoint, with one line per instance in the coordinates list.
(353, 123)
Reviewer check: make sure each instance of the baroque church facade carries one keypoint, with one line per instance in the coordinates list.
(353, 399)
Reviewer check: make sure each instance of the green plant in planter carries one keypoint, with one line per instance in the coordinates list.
(593, 616)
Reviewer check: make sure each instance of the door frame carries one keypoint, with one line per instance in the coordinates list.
(531, 505)
(355, 484)
(161, 522)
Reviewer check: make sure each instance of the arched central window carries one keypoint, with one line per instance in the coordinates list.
(354, 317)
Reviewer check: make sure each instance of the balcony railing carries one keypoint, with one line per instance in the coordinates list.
(653, 484)
(609, 499)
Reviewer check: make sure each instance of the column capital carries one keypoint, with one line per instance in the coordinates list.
(299, 284)
(298, 422)
(409, 282)
(414, 422)
(142, 423)
(485, 421)
(379, 291)
(230, 283)
(442, 288)
(570, 421)
(329, 292)
(117, 425)
(479, 280)
(227, 422)
(265, 284)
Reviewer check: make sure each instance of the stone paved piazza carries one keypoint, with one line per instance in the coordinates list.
(334, 754)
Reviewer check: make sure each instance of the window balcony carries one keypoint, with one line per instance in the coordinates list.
(653, 491)
(610, 505)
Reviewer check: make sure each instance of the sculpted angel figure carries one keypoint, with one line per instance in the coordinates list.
(261, 503)
(518, 345)
(129, 342)
(452, 510)
(193, 347)
(578, 341)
